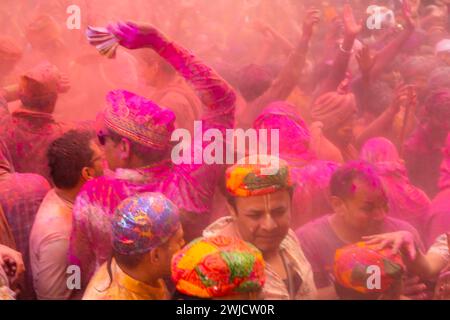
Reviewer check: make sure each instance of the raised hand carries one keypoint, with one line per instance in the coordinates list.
(401, 240)
(407, 15)
(133, 35)
(351, 27)
(12, 262)
(312, 19)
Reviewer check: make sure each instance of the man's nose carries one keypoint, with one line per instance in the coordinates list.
(268, 223)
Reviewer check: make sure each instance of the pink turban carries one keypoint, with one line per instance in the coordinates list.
(333, 109)
(294, 133)
(139, 119)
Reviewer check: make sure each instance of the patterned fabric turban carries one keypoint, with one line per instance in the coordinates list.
(249, 178)
(143, 222)
(351, 267)
(217, 267)
(139, 119)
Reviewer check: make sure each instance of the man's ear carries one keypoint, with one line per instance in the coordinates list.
(125, 149)
(86, 174)
(337, 204)
(231, 210)
(154, 256)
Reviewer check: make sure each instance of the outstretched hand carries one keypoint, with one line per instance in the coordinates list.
(133, 35)
(312, 19)
(401, 240)
(352, 28)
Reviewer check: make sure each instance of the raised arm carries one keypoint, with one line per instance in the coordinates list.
(213, 91)
(388, 53)
(288, 77)
(340, 64)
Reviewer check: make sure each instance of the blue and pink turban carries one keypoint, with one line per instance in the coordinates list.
(143, 222)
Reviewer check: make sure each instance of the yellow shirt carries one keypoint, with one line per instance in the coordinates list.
(122, 287)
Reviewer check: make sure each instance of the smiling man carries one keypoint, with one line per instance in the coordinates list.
(260, 213)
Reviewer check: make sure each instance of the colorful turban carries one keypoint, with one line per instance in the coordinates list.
(249, 178)
(10, 52)
(139, 119)
(143, 222)
(293, 130)
(217, 267)
(333, 109)
(351, 267)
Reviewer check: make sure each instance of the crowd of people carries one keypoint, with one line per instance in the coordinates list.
(93, 207)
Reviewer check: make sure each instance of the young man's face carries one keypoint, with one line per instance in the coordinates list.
(366, 208)
(264, 220)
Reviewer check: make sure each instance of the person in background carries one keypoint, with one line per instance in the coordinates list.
(439, 221)
(406, 201)
(74, 159)
(21, 196)
(146, 233)
(29, 130)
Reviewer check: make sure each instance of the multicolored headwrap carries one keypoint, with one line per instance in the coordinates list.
(250, 176)
(333, 108)
(351, 265)
(143, 222)
(139, 119)
(218, 267)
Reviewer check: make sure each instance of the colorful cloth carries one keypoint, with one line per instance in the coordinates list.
(352, 263)
(120, 286)
(249, 178)
(144, 222)
(275, 287)
(333, 109)
(218, 267)
(189, 187)
(139, 119)
(406, 201)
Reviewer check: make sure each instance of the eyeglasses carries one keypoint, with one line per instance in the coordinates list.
(102, 138)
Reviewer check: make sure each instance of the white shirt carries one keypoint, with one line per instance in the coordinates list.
(49, 243)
